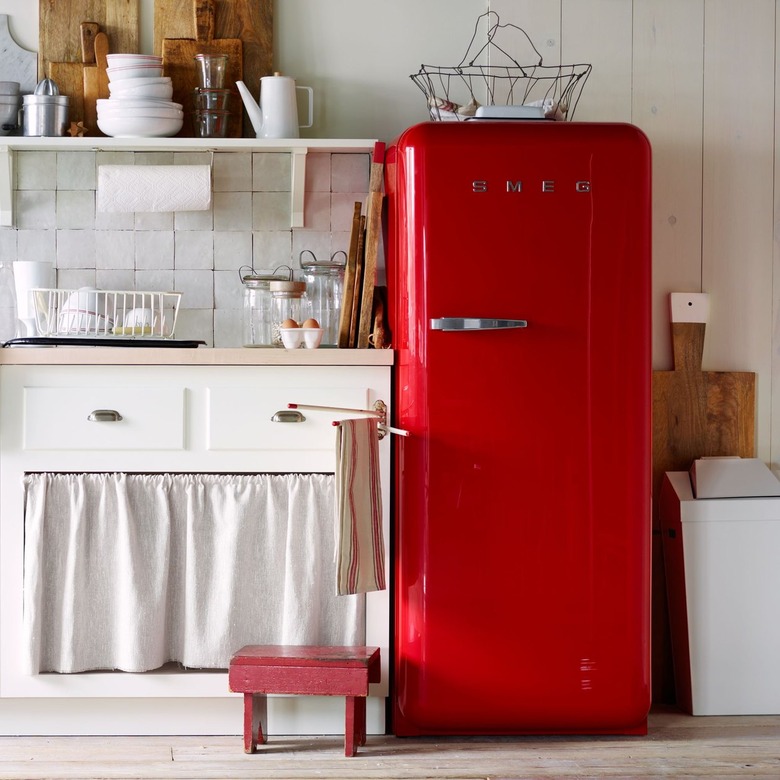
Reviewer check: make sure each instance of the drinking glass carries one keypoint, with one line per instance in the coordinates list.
(211, 70)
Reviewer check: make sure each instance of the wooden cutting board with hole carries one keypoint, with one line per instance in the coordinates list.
(698, 413)
(59, 33)
(251, 21)
(179, 62)
(695, 413)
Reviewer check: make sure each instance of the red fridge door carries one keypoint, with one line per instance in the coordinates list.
(522, 511)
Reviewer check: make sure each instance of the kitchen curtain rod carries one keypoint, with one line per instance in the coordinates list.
(379, 411)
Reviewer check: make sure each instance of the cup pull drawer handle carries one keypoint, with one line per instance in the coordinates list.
(104, 415)
(287, 416)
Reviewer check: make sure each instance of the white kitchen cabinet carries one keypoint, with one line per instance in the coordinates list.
(87, 417)
(154, 419)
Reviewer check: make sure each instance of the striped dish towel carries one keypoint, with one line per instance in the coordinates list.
(360, 551)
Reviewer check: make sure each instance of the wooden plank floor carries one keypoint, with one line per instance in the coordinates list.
(677, 746)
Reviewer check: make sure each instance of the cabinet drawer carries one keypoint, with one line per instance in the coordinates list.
(57, 418)
(239, 418)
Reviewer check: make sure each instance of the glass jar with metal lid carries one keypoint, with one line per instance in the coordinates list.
(258, 312)
(288, 302)
(325, 289)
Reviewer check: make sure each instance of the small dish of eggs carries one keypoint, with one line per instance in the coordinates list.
(294, 336)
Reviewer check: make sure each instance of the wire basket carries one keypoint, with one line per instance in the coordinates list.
(459, 92)
(106, 313)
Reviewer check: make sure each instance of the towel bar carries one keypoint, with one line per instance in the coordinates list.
(379, 411)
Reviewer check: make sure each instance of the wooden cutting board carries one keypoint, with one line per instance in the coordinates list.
(346, 327)
(69, 76)
(695, 413)
(251, 21)
(91, 84)
(698, 413)
(373, 237)
(179, 61)
(95, 82)
(59, 34)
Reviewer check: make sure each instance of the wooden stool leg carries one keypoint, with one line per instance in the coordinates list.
(255, 716)
(355, 727)
(360, 720)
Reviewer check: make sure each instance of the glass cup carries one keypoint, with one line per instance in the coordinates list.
(210, 124)
(210, 99)
(211, 70)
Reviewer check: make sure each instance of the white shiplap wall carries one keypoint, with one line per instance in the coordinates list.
(698, 76)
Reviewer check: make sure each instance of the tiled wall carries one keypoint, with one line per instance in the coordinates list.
(197, 253)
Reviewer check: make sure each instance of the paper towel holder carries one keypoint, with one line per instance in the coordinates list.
(154, 188)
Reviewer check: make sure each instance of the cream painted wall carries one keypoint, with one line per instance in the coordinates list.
(697, 76)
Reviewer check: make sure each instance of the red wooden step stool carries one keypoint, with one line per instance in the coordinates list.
(257, 670)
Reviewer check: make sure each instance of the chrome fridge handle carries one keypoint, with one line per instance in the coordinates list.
(475, 323)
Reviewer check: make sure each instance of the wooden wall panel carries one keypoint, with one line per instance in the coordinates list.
(738, 177)
(600, 32)
(774, 452)
(541, 19)
(667, 105)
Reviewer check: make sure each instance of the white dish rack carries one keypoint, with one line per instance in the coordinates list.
(106, 313)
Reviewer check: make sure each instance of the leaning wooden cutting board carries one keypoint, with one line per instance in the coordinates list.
(69, 76)
(251, 21)
(95, 82)
(698, 413)
(91, 83)
(695, 413)
(59, 37)
(179, 62)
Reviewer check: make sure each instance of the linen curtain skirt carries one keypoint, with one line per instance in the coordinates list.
(132, 571)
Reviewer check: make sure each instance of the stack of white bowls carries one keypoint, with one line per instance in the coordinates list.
(140, 105)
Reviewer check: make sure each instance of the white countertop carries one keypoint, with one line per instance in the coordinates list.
(204, 356)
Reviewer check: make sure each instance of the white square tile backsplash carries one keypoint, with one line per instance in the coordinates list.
(197, 253)
(76, 171)
(75, 209)
(233, 172)
(232, 211)
(36, 170)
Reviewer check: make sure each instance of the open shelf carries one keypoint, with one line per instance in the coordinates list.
(297, 148)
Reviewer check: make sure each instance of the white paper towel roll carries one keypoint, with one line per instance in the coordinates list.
(154, 188)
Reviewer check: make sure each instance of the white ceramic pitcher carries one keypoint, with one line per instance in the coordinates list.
(276, 116)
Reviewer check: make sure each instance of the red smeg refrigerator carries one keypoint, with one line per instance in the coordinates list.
(518, 264)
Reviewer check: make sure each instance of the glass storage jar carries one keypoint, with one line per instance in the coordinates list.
(288, 302)
(325, 289)
(258, 313)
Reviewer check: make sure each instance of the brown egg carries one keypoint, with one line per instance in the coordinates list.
(311, 323)
(290, 323)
